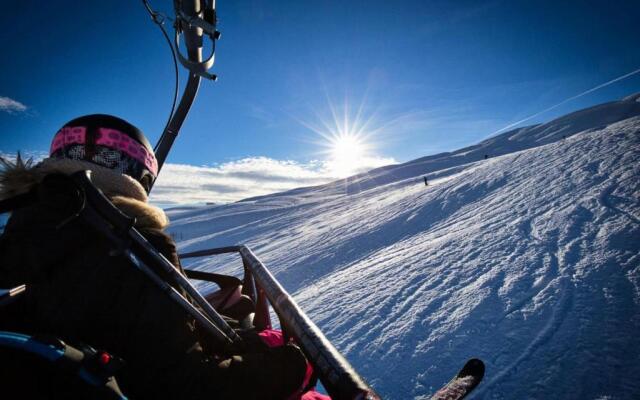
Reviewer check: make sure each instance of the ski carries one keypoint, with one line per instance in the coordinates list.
(463, 383)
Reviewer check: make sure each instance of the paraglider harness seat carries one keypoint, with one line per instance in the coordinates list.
(247, 300)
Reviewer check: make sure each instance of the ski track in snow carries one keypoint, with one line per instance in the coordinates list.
(529, 260)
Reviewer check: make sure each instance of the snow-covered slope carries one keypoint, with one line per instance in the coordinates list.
(529, 259)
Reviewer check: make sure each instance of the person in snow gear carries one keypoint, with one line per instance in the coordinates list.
(81, 290)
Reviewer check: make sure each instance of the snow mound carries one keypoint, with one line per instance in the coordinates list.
(634, 97)
(529, 260)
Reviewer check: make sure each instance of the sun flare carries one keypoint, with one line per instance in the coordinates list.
(346, 153)
(350, 139)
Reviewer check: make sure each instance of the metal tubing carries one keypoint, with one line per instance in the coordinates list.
(183, 282)
(189, 15)
(197, 22)
(182, 302)
(220, 280)
(336, 374)
(10, 295)
(171, 132)
(100, 211)
(211, 252)
(91, 216)
(193, 41)
(191, 10)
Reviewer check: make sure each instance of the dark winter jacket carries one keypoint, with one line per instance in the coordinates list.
(82, 291)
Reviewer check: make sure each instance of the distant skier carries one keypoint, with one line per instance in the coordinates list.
(486, 156)
(79, 289)
(426, 182)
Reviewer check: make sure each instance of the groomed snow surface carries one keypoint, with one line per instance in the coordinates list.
(528, 259)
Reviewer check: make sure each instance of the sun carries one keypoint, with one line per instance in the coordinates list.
(349, 139)
(347, 151)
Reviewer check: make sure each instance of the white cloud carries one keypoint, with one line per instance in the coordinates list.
(11, 106)
(248, 177)
(235, 180)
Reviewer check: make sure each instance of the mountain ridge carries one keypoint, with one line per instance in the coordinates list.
(526, 137)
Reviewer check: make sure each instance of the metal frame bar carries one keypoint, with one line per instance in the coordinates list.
(262, 317)
(190, 23)
(107, 219)
(173, 128)
(336, 374)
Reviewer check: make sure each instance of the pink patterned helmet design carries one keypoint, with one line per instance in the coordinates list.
(107, 137)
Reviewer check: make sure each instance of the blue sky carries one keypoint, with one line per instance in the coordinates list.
(428, 76)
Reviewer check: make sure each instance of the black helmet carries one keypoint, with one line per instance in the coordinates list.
(110, 142)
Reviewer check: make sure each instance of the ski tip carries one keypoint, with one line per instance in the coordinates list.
(463, 383)
(474, 367)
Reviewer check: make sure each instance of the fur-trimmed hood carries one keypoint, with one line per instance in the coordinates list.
(124, 191)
